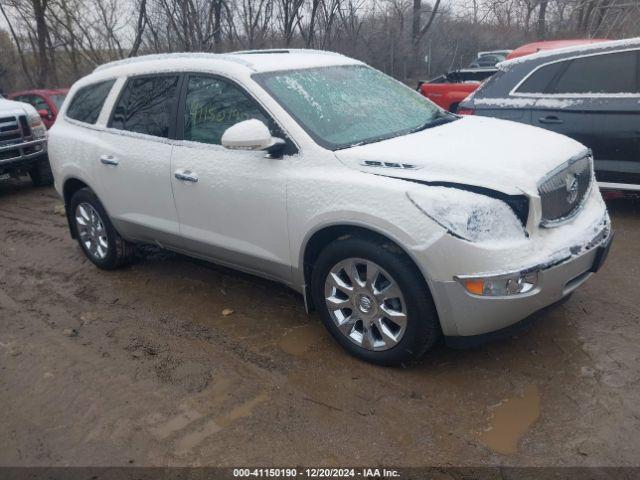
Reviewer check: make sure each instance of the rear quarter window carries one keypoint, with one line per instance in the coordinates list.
(540, 79)
(494, 87)
(88, 101)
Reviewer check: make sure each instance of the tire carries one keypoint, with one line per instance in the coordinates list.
(41, 174)
(413, 336)
(454, 107)
(112, 250)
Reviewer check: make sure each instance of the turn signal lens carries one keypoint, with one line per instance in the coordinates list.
(500, 285)
(474, 286)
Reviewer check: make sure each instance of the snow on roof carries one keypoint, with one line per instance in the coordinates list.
(254, 60)
(585, 48)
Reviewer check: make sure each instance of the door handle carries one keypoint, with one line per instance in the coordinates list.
(186, 176)
(109, 160)
(551, 119)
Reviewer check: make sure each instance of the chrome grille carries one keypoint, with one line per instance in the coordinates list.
(10, 130)
(563, 191)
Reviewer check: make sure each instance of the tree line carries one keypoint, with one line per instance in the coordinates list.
(50, 43)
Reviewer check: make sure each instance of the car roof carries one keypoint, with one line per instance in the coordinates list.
(498, 91)
(251, 61)
(580, 49)
(535, 47)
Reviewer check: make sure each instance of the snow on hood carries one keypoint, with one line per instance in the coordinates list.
(12, 106)
(506, 156)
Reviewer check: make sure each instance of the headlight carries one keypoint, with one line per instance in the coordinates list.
(37, 127)
(468, 215)
(513, 283)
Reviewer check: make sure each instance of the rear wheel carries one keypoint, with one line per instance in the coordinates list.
(98, 239)
(41, 174)
(374, 301)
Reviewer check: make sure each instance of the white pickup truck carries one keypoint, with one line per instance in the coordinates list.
(23, 143)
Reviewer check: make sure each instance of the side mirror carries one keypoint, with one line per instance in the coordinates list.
(45, 114)
(250, 135)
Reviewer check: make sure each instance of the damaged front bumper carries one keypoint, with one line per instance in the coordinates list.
(467, 314)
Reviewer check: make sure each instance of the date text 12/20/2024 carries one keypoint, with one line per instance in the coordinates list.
(316, 472)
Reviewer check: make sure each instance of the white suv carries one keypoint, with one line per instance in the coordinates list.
(397, 221)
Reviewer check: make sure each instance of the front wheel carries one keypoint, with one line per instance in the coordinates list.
(374, 301)
(41, 174)
(98, 239)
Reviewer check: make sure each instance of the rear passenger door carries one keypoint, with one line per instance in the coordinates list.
(566, 116)
(135, 159)
(595, 99)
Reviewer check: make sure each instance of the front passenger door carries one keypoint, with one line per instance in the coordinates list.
(231, 203)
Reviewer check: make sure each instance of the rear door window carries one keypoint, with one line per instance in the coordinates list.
(87, 103)
(147, 105)
(609, 73)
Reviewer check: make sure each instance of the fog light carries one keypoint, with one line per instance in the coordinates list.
(515, 283)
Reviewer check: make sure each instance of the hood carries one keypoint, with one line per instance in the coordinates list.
(10, 106)
(479, 151)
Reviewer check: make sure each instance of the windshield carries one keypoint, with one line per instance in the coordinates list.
(58, 98)
(342, 106)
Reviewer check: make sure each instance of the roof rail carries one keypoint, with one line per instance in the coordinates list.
(253, 52)
(310, 51)
(169, 56)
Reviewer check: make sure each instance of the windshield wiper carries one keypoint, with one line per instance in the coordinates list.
(440, 119)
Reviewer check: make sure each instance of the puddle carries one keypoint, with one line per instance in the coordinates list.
(194, 439)
(298, 340)
(511, 419)
(175, 424)
(241, 411)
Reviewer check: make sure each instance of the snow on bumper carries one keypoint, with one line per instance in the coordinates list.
(563, 257)
(465, 314)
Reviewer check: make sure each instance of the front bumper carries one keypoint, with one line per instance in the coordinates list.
(21, 154)
(465, 314)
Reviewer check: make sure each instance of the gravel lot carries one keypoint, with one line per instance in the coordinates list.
(141, 367)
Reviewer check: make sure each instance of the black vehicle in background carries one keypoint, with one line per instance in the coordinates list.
(590, 93)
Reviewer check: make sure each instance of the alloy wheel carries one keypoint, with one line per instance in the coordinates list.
(91, 231)
(366, 304)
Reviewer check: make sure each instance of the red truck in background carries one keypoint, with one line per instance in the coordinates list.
(46, 102)
(536, 47)
(448, 90)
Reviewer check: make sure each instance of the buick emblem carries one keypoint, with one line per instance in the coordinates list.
(571, 182)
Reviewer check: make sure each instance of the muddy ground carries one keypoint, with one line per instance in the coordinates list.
(157, 375)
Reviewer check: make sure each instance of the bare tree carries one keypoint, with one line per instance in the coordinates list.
(57, 41)
(418, 31)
